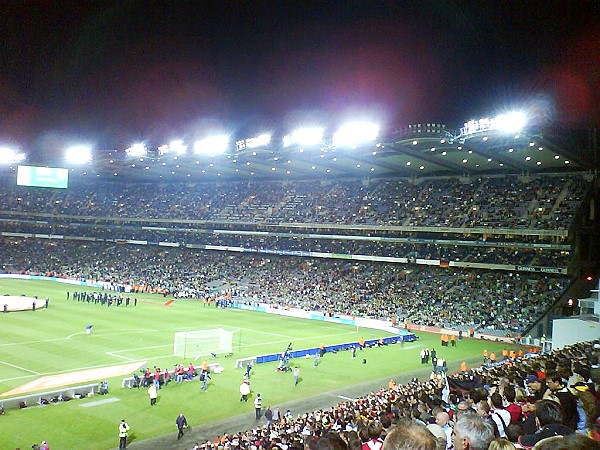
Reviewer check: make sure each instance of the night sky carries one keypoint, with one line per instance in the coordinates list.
(112, 72)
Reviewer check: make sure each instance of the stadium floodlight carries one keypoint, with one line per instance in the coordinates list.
(78, 154)
(254, 142)
(511, 122)
(355, 133)
(304, 137)
(137, 150)
(178, 147)
(213, 145)
(10, 156)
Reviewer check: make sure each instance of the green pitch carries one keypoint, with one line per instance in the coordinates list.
(53, 341)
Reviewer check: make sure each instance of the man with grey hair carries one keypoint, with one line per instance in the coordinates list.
(472, 433)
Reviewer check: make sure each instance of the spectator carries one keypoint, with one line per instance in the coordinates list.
(472, 433)
(409, 436)
(549, 423)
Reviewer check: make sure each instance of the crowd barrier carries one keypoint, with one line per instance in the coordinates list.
(333, 348)
(40, 398)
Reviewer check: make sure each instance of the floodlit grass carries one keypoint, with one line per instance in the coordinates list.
(53, 341)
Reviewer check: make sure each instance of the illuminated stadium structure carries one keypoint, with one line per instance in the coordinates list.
(483, 230)
(501, 145)
(394, 205)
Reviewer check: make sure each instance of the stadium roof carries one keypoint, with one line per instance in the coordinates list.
(416, 151)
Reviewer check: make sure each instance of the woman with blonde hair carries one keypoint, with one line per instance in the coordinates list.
(501, 444)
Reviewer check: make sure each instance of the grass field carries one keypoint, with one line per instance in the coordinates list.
(52, 341)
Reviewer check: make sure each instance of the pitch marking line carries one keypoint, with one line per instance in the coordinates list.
(20, 368)
(60, 372)
(346, 398)
(104, 334)
(74, 334)
(119, 356)
(109, 333)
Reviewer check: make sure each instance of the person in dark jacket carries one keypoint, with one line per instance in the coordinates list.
(181, 423)
(549, 420)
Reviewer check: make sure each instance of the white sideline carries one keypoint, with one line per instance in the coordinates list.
(20, 368)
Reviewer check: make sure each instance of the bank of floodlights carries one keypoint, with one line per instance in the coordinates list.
(511, 122)
(10, 156)
(214, 145)
(177, 147)
(137, 150)
(352, 134)
(78, 154)
(308, 136)
(261, 140)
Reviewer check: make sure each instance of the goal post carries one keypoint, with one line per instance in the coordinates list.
(202, 342)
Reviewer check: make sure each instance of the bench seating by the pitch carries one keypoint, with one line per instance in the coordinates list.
(72, 392)
(129, 382)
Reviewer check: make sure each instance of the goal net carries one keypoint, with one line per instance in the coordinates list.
(202, 342)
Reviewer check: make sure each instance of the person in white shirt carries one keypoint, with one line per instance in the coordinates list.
(499, 414)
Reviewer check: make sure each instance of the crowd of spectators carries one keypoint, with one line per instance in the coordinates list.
(476, 252)
(421, 295)
(491, 407)
(540, 202)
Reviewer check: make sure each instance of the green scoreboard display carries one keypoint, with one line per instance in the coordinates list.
(50, 177)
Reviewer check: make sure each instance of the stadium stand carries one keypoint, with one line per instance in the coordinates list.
(457, 223)
(544, 202)
(461, 246)
(423, 401)
(427, 295)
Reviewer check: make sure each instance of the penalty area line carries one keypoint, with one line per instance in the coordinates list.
(20, 368)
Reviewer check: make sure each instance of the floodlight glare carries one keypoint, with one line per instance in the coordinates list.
(511, 122)
(304, 137)
(212, 145)
(258, 141)
(136, 150)
(78, 154)
(9, 156)
(355, 133)
(178, 147)
(254, 142)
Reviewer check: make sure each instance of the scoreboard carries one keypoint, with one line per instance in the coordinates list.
(50, 177)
